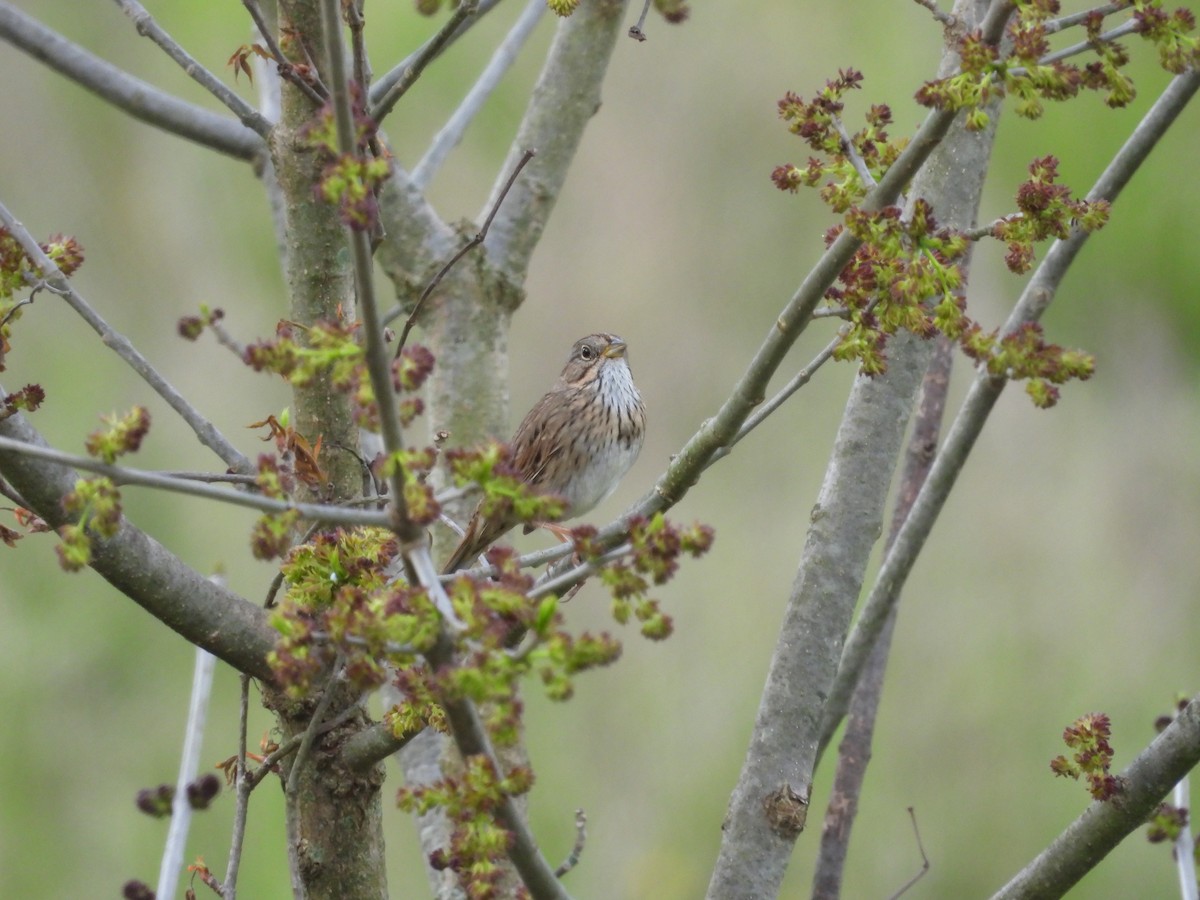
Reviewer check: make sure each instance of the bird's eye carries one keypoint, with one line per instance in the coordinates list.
(586, 352)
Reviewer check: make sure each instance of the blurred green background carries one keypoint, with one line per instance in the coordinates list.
(1061, 580)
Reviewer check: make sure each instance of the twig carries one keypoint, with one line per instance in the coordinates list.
(1060, 24)
(371, 745)
(397, 72)
(831, 312)
(572, 859)
(463, 251)
(138, 98)
(577, 573)
(848, 148)
(147, 27)
(332, 515)
(362, 64)
(1185, 849)
(213, 477)
(635, 31)
(451, 133)
(982, 396)
(944, 18)
(189, 765)
(314, 92)
(229, 888)
(380, 108)
(1082, 47)
(56, 282)
(924, 859)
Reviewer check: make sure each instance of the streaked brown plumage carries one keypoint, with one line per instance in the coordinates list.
(577, 441)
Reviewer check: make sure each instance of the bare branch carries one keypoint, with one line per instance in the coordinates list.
(904, 888)
(372, 745)
(316, 512)
(852, 154)
(397, 72)
(769, 806)
(982, 396)
(944, 18)
(464, 12)
(1069, 21)
(451, 133)
(138, 98)
(463, 251)
(147, 27)
(635, 31)
(1082, 47)
(573, 857)
(1103, 825)
(56, 282)
(564, 100)
(204, 613)
(189, 766)
(243, 789)
(854, 751)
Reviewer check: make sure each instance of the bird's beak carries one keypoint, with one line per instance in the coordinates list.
(615, 350)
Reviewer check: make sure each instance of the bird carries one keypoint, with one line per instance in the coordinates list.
(577, 442)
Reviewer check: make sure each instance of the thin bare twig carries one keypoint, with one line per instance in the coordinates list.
(1060, 24)
(451, 133)
(465, 11)
(924, 859)
(358, 47)
(147, 27)
(315, 91)
(213, 477)
(944, 18)
(1082, 47)
(635, 31)
(463, 251)
(333, 515)
(392, 76)
(572, 859)
(242, 807)
(848, 148)
(56, 282)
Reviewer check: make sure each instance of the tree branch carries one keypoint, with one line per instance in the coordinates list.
(471, 739)
(147, 27)
(397, 72)
(314, 512)
(565, 98)
(769, 806)
(982, 396)
(203, 613)
(1103, 825)
(138, 98)
(451, 133)
(854, 753)
(398, 87)
(57, 283)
